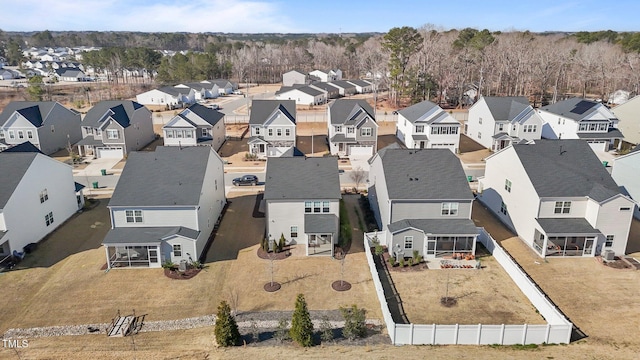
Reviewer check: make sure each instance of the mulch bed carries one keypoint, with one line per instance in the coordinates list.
(341, 285)
(285, 253)
(618, 263)
(272, 287)
(186, 275)
(418, 267)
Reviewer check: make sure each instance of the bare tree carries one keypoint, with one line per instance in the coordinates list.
(357, 175)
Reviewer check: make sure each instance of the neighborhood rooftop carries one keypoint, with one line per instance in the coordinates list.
(421, 111)
(209, 115)
(261, 110)
(565, 168)
(302, 178)
(506, 107)
(168, 176)
(13, 166)
(424, 174)
(574, 108)
(436, 226)
(343, 110)
(34, 111)
(122, 112)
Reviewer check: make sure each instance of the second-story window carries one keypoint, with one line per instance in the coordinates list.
(278, 132)
(20, 134)
(316, 206)
(325, 206)
(350, 130)
(270, 131)
(134, 216)
(44, 196)
(419, 129)
(1, 134)
(449, 209)
(307, 206)
(12, 135)
(287, 132)
(365, 132)
(257, 130)
(507, 185)
(29, 134)
(169, 133)
(112, 134)
(338, 128)
(562, 207)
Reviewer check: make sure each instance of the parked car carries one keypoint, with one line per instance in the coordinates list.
(237, 92)
(215, 106)
(246, 180)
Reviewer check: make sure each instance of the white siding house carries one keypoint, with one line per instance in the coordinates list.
(577, 118)
(302, 95)
(302, 197)
(294, 77)
(165, 207)
(272, 127)
(197, 125)
(497, 122)
(426, 126)
(167, 98)
(352, 128)
(628, 115)
(422, 202)
(37, 194)
(626, 170)
(558, 197)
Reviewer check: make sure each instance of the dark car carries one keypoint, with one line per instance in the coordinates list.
(246, 180)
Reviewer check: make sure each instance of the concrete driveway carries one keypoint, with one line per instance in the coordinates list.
(96, 165)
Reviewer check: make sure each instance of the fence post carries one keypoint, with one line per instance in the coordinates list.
(411, 337)
(455, 334)
(524, 334)
(479, 334)
(433, 334)
(502, 335)
(547, 333)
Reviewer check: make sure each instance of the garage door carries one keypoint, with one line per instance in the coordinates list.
(355, 150)
(599, 146)
(110, 152)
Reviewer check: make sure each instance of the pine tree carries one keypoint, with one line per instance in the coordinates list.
(281, 243)
(301, 326)
(354, 322)
(226, 329)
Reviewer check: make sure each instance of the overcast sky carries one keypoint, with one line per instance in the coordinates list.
(329, 16)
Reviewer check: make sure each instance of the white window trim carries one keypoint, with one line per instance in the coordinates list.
(110, 134)
(135, 218)
(408, 240)
(449, 209)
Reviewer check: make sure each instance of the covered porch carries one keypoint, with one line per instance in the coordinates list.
(258, 146)
(565, 237)
(87, 146)
(501, 141)
(341, 144)
(420, 141)
(434, 238)
(135, 247)
(322, 232)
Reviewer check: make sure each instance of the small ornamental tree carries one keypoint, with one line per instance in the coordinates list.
(281, 243)
(354, 322)
(226, 329)
(301, 326)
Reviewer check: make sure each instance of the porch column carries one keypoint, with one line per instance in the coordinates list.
(106, 249)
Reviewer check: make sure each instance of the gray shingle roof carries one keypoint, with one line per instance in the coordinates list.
(168, 176)
(343, 110)
(574, 108)
(13, 166)
(506, 108)
(261, 110)
(320, 223)
(305, 89)
(123, 111)
(565, 168)
(361, 83)
(34, 111)
(437, 226)
(146, 235)
(416, 111)
(207, 114)
(26, 146)
(343, 84)
(566, 226)
(424, 174)
(302, 178)
(612, 133)
(326, 86)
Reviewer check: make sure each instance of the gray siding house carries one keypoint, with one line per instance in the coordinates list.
(113, 129)
(294, 77)
(164, 207)
(272, 126)
(422, 202)
(353, 130)
(302, 198)
(46, 124)
(197, 125)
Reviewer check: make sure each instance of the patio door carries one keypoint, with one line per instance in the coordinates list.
(422, 144)
(588, 246)
(431, 248)
(153, 256)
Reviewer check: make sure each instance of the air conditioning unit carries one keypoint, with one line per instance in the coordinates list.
(609, 255)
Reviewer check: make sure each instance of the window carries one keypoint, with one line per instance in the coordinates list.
(44, 196)
(188, 134)
(338, 128)
(408, 242)
(294, 232)
(507, 185)
(480, 121)
(1, 134)
(625, 208)
(205, 132)
(215, 182)
(177, 250)
(350, 130)
(325, 206)
(89, 130)
(530, 128)
(270, 132)
(449, 209)
(307, 206)
(133, 216)
(316, 206)
(419, 128)
(178, 133)
(20, 134)
(169, 134)
(29, 134)
(479, 135)
(503, 208)
(609, 242)
(53, 129)
(257, 130)
(562, 207)
(500, 127)
(48, 219)
(278, 132)
(12, 135)
(444, 130)
(287, 132)
(365, 132)
(112, 134)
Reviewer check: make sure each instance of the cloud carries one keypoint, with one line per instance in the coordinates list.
(243, 16)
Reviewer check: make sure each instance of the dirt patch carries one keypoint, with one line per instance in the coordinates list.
(233, 146)
(469, 145)
(285, 253)
(319, 147)
(181, 275)
(386, 140)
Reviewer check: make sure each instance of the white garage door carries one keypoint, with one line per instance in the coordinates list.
(599, 146)
(356, 150)
(110, 152)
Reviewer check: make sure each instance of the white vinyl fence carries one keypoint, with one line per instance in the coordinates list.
(161, 118)
(557, 330)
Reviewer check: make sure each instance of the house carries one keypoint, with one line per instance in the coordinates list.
(425, 126)
(628, 115)
(294, 77)
(201, 90)
(302, 95)
(330, 91)
(577, 118)
(115, 128)
(353, 130)
(6, 74)
(272, 126)
(196, 125)
(70, 74)
(626, 169)
(497, 122)
(344, 88)
(362, 86)
(619, 97)
(224, 87)
(302, 202)
(46, 124)
(165, 207)
(37, 194)
(558, 197)
(326, 76)
(167, 98)
(422, 202)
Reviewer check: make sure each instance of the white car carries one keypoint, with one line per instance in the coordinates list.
(215, 106)
(237, 92)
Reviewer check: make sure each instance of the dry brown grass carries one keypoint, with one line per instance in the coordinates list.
(486, 296)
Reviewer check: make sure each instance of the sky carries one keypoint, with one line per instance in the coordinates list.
(326, 16)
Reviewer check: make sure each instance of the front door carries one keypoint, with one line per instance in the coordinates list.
(261, 149)
(422, 144)
(341, 147)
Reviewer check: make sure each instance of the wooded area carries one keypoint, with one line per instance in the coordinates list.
(415, 64)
